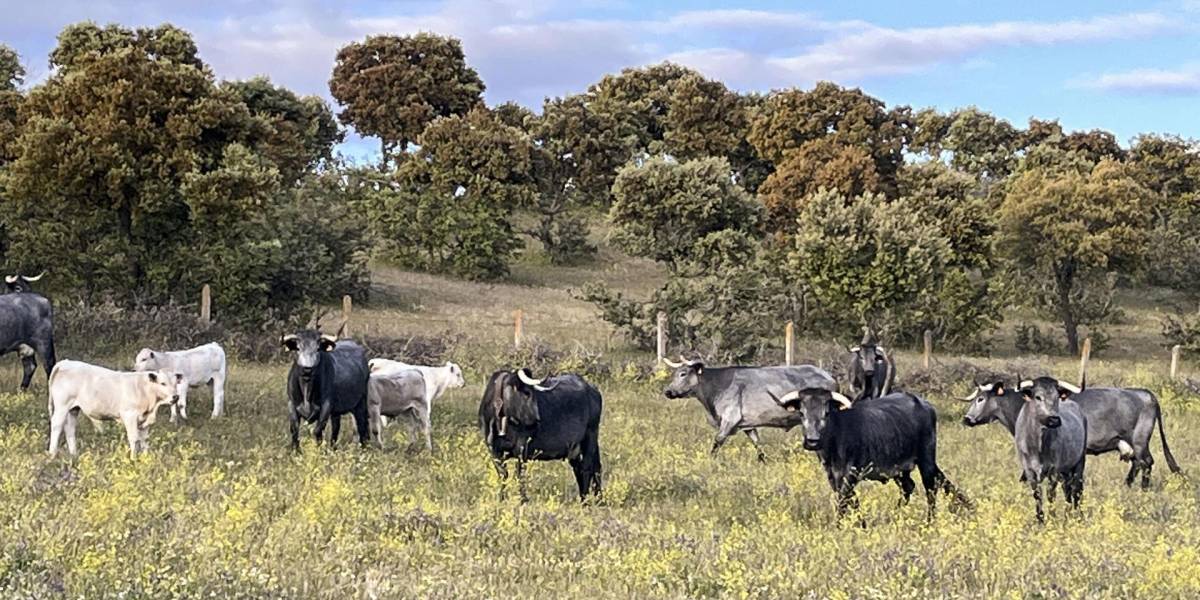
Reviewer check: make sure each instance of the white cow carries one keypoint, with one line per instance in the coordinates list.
(103, 394)
(200, 365)
(398, 393)
(437, 380)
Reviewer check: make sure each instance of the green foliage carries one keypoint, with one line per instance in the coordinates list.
(392, 87)
(449, 207)
(1182, 329)
(1169, 166)
(1069, 228)
(663, 208)
(1030, 339)
(12, 74)
(301, 132)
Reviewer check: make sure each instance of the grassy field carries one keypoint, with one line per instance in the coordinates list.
(222, 509)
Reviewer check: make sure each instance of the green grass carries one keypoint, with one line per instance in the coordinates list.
(221, 508)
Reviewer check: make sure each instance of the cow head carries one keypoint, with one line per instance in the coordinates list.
(146, 360)
(985, 402)
(511, 399)
(308, 345)
(814, 405)
(456, 375)
(1043, 396)
(164, 389)
(16, 284)
(869, 357)
(685, 378)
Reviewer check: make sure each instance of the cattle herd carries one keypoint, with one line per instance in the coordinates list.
(881, 434)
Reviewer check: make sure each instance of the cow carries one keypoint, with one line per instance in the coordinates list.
(328, 379)
(739, 398)
(202, 365)
(102, 394)
(880, 440)
(16, 284)
(1051, 440)
(872, 372)
(27, 328)
(1118, 419)
(437, 381)
(398, 393)
(553, 418)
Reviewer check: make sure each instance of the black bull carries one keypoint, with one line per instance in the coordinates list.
(27, 327)
(553, 419)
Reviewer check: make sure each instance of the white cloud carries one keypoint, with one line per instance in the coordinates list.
(1184, 81)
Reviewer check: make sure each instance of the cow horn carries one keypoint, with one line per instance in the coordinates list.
(332, 339)
(34, 278)
(971, 398)
(523, 375)
(687, 362)
(788, 397)
(1069, 387)
(11, 278)
(673, 365)
(288, 338)
(855, 348)
(844, 401)
(1028, 383)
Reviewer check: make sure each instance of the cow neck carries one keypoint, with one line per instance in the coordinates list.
(709, 388)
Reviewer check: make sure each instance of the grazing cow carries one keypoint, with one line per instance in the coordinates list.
(15, 284)
(740, 398)
(399, 393)
(1118, 419)
(327, 380)
(872, 372)
(102, 394)
(437, 380)
(1051, 440)
(203, 365)
(27, 328)
(880, 440)
(554, 418)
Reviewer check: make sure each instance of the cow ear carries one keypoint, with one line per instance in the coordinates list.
(179, 378)
(291, 342)
(153, 376)
(328, 342)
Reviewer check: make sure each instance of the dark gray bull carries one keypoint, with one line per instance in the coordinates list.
(881, 440)
(1051, 439)
(871, 371)
(740, 398)
(15, 284)
(27, 328)
(1118, 419)
(554, 418)
(327, 380)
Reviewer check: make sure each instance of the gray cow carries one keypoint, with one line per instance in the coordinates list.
(1120, 420)
(743, 398)
(398, 393)
(27, 328)
(1051, 440)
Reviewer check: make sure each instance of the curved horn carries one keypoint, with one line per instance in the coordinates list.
(688, 362)
(844, 401)
(887, 375)
(284, 339)
(11, 278)
(1069, 387)
(34, 278)
(788, 397)
(972, 397)
(332, 339)
(523, 375)
(855, 349)
(673, 365)
(1028, 383)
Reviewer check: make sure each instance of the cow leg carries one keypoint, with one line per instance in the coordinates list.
(587, 466)
(144, 438)
(1036, 486)
(69, 427)
(130, 420)
(217, 385)
(57, 420)
(335, 428)
(521, 480)
(1147, 461)
(362, 423)
(726, 429)
(294, 424)
(426, 429)
(1051, 484)
(46, 349)
(753, 435)
(28, 367)
(846, 498)
(907, 485)
(373, 422)
(322, 420)
(1134, 467)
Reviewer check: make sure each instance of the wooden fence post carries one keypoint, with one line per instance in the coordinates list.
(205, 305)
(789, 343)
(518, 327)
(928, 337)
(347, 307)
(662, 337)
(1175, 360)
(1084, 357)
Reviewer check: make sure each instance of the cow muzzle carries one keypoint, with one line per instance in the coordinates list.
(1053, 422)
(811, 444)
(306, 372)
(672, 394)
(969, 422)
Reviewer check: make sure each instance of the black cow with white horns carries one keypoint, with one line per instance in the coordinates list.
(15, 284)
(327, 380)
(27, 328)
(554, 418)
(871, 371)
(881, 440)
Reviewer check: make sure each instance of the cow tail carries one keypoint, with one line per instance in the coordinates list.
(1162, 436)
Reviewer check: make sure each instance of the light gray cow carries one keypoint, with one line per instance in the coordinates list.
(202, 365)
(1120, 420)
(1051, 440)
(102, 394)
(743, 398)
(399, 393)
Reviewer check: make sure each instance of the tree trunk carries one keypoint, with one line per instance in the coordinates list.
(1064, 279)
(132, 264)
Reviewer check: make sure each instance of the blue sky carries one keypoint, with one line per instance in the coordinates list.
(1127, 67)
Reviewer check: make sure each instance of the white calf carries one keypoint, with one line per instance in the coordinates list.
(200, 365)
(102, 394)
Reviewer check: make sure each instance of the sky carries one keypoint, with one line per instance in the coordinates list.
(1127, 67)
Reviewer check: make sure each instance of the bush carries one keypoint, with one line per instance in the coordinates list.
(1182, 329)
(1031, 340)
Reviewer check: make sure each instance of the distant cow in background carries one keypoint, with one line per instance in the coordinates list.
(103, 394)
(399, 393)
(871, 371)
(15, 284)
(328, 379)
(202, 365)
(27, 328)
